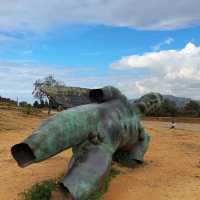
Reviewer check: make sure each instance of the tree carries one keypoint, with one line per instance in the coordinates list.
(48, 81)
(23, 104)
(36, 104)
(42, 105)
(168, 109)
(192, 108)
(38, 93)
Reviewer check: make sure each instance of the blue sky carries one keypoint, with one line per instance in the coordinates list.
(137, 47)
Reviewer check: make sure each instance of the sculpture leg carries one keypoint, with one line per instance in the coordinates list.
(140, 148)
(135, 155)
(88, 172)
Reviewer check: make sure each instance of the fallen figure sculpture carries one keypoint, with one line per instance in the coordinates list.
(97, 132)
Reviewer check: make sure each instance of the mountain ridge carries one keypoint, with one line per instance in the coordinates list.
(180, 101)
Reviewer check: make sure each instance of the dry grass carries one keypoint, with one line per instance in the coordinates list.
(15, 118)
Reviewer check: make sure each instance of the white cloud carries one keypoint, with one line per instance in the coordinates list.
(17, 77)
(168, 41)
(40, 15)
(173, 71)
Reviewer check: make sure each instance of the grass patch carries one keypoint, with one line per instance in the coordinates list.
(40, 191)
(43, 190)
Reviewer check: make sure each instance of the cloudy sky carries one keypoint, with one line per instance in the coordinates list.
(137, 46)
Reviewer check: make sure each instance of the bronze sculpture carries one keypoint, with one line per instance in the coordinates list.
(96, 132)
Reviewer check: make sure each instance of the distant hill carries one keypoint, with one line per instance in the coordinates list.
(180, 101)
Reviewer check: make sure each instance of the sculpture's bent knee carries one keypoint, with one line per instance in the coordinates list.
(88, 173)
(140, 148)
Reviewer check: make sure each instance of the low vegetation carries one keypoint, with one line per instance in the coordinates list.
(44, 189)
(40, 191)
(29, 110)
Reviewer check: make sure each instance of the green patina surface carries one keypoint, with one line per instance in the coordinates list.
(98, 133)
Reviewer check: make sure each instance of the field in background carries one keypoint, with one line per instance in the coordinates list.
(177, 119)
(170, 172)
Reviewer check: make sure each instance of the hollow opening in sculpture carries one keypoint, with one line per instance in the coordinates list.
(23, 154)
(96, 95)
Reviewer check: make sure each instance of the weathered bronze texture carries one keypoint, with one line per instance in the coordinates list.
(95, 132)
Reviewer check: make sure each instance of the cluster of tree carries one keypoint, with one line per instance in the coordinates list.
(41, 104)
(15, 103)
(8, 100)
(24, 104)
(170, 109)
(44, 99)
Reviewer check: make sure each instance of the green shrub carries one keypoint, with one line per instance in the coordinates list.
(29, 110)
(40, 191)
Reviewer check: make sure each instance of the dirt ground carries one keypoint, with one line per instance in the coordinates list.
(171, 169)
